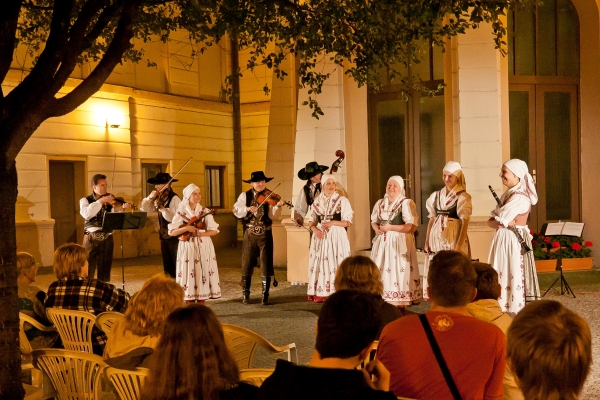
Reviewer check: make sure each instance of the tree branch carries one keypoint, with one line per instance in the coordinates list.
(112, 57)
(9, 19)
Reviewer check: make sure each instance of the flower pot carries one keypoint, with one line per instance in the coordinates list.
(545, 265)
(576, 264)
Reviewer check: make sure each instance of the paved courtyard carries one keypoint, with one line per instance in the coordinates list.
(292, 319)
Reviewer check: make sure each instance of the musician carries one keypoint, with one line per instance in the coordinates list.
(98, 243)
(310, 191)
(516, 271)
(165, 201)
(258, 238)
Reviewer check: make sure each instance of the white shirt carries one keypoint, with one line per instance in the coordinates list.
(89, 210)
(239, 208)
(167, 212)
(301, 206)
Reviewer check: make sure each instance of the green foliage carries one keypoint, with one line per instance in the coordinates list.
(364, 38)
(559, 246)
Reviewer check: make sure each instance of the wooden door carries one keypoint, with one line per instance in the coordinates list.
(62, 204)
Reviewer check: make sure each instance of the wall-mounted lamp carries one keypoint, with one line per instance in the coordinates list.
(114, 119)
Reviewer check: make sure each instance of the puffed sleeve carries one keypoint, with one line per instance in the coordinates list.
(176, 223)
(211, 225)
(409, 212)
(516, 205)
(347, 211)
(374, 216)
(239, 208)
(464, 208)
(430, 205)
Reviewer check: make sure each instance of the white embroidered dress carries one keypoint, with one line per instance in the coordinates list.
(197, 271)
(516, 272)
(326, 254)
(395, 253)
(444, 230)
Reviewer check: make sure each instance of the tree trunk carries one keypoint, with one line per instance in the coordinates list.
(10, 355)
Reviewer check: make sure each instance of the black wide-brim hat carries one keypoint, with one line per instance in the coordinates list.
(257, 176)
(161, 178)
(312, 168)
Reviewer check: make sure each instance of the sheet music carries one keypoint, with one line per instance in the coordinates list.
(554, 228)
(573, 229)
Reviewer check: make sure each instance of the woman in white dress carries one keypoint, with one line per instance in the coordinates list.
(516, 271)
(449, 214)
(394, 219)
(197, 271)
(328, 217)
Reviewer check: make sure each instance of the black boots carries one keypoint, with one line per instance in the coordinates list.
(266, 284)
(245, 283)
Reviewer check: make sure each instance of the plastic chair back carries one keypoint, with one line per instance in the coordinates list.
(74, 327)
(127, 384)
(106, 320)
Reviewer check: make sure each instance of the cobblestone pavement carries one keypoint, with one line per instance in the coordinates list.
(292, 319)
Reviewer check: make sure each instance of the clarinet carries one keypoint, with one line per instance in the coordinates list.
(524, 248)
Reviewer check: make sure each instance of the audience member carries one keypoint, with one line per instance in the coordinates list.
(192, 361)
(361, 273)
(74, 291)
(346, 328)
(473, 350)
(133, 337)
(486, 308)
(550, 351)
(31, 302)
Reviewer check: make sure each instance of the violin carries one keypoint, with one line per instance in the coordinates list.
(118, 200)
(197, 222)
(270, 198)
(161, 197)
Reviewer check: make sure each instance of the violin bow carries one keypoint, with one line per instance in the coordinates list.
(112, 180)
(173, 177)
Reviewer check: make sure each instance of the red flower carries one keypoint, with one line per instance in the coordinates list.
(534, 242)
(547, 239)
(555, 245)
(530, 232)
(576, 246)
(588, 244)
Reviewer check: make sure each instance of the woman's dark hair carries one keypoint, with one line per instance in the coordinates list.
(191, 360)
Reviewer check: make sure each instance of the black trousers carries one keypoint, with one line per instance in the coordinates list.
(168, 249)
(100, 256)
(257, 246)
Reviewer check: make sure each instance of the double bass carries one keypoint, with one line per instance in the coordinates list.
(334, 168)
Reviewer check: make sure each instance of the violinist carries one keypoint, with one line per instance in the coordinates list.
(165, 201)
(98, 243)
(310, 191)
(258, 237)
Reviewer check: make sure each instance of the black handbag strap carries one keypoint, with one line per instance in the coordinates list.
(440, 358)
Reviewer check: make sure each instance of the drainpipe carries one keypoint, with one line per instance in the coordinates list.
(237, 115)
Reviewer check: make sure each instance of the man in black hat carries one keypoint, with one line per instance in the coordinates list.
(312, 174)
(258, 237)
(165, 201)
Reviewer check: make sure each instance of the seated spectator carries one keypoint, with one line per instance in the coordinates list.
(346, 328)
(550, 351)
(73, 291)
(31, 302)
(192, 361)
(486, 308)
(143, 322)
(361, 273)
(473, 350)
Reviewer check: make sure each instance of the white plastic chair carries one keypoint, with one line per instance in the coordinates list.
(106, 320)
(74, 327)
(127, 384)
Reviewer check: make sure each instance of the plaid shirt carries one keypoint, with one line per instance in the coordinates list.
(89, 295)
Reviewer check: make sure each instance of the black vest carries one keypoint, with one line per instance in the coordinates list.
(250, 218)
(96, 221)
(451, 212)
(163, 232)
(306, 188)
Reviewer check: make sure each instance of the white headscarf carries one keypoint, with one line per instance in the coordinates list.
(187, 193)
(388, 205)
(455, 169)
(325, 178)
(520, 169)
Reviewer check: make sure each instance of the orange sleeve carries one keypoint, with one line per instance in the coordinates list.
(494, 386)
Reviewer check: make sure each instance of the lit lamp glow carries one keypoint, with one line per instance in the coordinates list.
(114, 119)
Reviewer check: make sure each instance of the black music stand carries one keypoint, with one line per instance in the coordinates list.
(565, 288)
(120, 221)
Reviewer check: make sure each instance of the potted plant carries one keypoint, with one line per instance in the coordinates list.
(573, 250)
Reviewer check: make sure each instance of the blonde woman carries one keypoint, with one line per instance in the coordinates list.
(145, 316)
(328, 217)
(197, 270)
(74, 291)
(449, 214)
(394, 220)
(360, 273)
